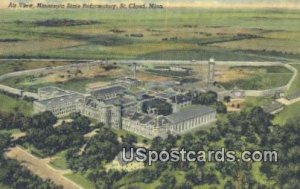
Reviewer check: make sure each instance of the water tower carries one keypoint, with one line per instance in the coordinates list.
(211, 73)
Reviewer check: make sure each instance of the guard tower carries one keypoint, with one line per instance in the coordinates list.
(211, 73)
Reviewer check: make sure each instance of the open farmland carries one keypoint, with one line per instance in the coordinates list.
(145, 34)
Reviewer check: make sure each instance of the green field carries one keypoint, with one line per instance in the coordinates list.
(59, 161)
(10, 105)
(81, 180)
(25, 83)
(295, 87)
(260, 78)
(163, 34)
(289, 112)
(13, 66)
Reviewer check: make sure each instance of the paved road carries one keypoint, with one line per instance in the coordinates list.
(41, 168)
(179, 62)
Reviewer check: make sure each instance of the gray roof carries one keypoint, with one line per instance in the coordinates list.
(120, 101)
(180, 99)
(54, 91)
(189, 113)
(62, 99)
(108, 90)
(166, 95)
(142, 118)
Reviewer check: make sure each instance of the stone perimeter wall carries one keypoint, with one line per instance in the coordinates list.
(255, 93)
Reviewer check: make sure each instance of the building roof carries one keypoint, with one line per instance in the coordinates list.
(108, 90)
(54, 91)
(62, 99)
(189, 113)
(142, 118)
(120, 101)
(165, 95)
(180, 99)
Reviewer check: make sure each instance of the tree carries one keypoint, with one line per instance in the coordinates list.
(229, 185)
(221, 108)
(157, 143)
(227, 99)
(195, 177)
(129, 141)
(208, 98)
(168, 181)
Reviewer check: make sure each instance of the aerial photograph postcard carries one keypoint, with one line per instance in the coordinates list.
(150, 94)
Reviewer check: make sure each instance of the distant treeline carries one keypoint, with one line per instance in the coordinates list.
(64, 22)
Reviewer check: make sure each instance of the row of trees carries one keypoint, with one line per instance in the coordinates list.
(101, 148)
(41, 133)
(13, 175)
(50, 140)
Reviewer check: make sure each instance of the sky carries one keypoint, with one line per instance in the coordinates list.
(180, 3)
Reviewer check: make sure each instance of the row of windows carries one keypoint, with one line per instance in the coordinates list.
(194, 122)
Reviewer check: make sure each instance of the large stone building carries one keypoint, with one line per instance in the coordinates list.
(60, 106)
(191, 118)
(116, 107)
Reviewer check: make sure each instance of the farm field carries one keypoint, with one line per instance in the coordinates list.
(156, 34)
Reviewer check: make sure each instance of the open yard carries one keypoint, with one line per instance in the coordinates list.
(251, 78)
(8, 66)
(76, 79)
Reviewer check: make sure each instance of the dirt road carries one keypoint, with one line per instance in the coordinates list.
(41, 168)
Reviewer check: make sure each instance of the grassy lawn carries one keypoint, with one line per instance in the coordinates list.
(261, 78)
(59, 161)
(289, 112)
(258, 176)
(11, 131)
(296, 84)
(10, 105)
(34, 151)
(81, 180)
(13, 66)
(78, 85)
(122, 132)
